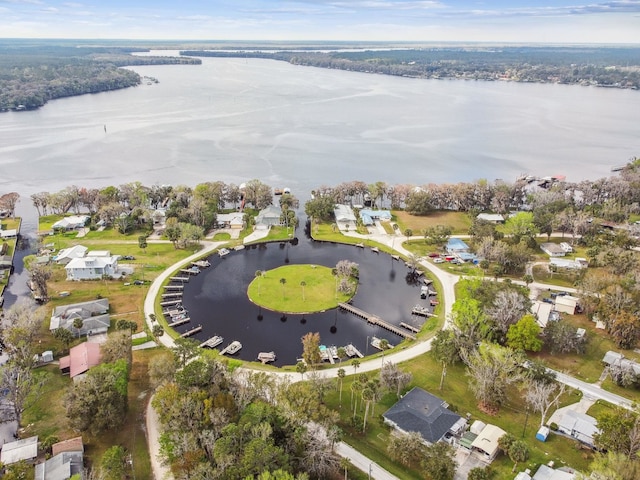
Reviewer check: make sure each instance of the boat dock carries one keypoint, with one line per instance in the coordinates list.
(422, 311)
(179, 279)
(409, 327)
(233, 347)
(360, 245)
(193, 331)
(190, 271)
(174, 287)
(352, 351)
(376, 320)
(171, 294)
(201, 263)
(179, 321)
(169, 303)
(375, 250)
(266, 357)
(213, 342)
(396, 257)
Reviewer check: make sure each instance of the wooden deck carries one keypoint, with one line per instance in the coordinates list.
(409, 327)
(179, 279)
(193, 331)
(375, 320)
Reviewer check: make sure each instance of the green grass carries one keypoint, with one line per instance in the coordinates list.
(318, 294)
(563, 279)
(460, 222)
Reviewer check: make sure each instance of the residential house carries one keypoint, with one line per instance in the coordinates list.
(73, 222)
(552, 249)
(570, 264)
(456, 246)
(94, 266)
(234, 220)
(419, 411)
(80, 359)
(158, 217)
(485, 445)
(369, 216)
(95, 318)
(616, 361)
(567, 304)
(578, 425)
(344, 215)
(566, 247)
(491, 217)
(268, 217)
(65, 255)
(542, 312)
(25, 449)
(62, 466)
(11, 233)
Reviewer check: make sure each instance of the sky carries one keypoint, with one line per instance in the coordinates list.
(539, 21)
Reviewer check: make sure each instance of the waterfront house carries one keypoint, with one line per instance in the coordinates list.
(344, 216)
(494, 218)
(94, 266)
(65, 255)
(80, 359)
(95, 318)
(369, 217)
(268, 217)
(25, 449)
(73, 222)
(552, 249)
(419, 411)
(234, 220)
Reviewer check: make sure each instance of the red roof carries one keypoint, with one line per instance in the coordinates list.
(71, 445)
(81, 358)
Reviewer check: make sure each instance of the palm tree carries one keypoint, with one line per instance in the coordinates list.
(367, 396)
(344, 463)
(78, 323)
(303, 284)
(356, 363)
(259, 275)
(282, 282)
(341, 375)
(342, 352)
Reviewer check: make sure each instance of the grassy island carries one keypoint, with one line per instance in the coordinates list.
(297, 289)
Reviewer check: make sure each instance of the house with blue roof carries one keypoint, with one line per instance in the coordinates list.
(369, 216)
(456, 246)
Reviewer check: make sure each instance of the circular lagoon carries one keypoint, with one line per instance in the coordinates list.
(217, 299)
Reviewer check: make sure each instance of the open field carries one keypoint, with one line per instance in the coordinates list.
(458, 221)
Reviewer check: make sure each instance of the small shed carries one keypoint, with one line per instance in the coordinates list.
(47, 356)
(542, 434)
(25, 449)
(567, 304)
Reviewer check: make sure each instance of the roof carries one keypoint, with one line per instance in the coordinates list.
(542, 312)
(81, 358)
(344, 213)
(487, 440)
(25, 449)
(93, 313)
(71, 445)
(567, 300)
(72, 221)
(552, 248)
(270, 211)
(567, 263)
(456, 244)
(60, 467)
(236, 218)
(490, 217)
(91, 262)
(547, 473)
(9, 233)
(367, 215)
(580, 425)
(616, 359)
(419, 411)
(77, 251)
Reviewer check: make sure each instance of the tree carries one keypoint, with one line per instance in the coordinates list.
(8, 202)
(341, 375)
(619, 432)
(113, 464)
(437, 235)
(367, 396)
(518, 452)
(356, 364)
(479, 473)
(408, 449)
(259, 274)
(439, 461)
(162, 370)
(519, 226)
(303, 284)
(445, 350)
(40, 274)
(282, 282)
(525, 335)
(21, 385)
(542, 395)
(614, 466)
(625, 329)
(311, 349)
(63, 335)
(184, 350)
(560, 337)
(301, 368)
(507, 308)
(142, 242)
(78, 323)
(117, 346)
(492, 369)
(394, 379)
(99, 401)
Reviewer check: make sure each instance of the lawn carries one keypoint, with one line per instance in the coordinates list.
(512, 417)
(297, 289)
(460, 222)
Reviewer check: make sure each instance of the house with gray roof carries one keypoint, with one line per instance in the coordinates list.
(61, 467)
(578, 425)
(419, 411)
(24, 449)
(268, 217)
(95, 318)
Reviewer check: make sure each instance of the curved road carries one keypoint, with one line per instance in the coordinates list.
(448, 282)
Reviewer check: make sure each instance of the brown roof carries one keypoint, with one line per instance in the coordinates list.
(65, 362)
(81, 358)
(71, 445)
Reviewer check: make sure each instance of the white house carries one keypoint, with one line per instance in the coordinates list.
(95, 318)
(552, 249)
(491, 217)
(92, 267)
(73, 222)
(67, 254)
(344, 214)
(267, 217)
(567, 304)
(578, 425)
(233, 220)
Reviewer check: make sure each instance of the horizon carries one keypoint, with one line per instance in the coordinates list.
(546, 22)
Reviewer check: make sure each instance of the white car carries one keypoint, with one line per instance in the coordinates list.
(438, 260)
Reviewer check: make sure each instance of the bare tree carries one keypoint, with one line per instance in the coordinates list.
(40, 274)
(541, 396)
(392, 378)
(508, 307)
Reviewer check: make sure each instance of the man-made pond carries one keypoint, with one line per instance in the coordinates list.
(217, 300)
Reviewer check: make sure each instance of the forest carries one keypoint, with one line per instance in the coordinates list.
(616, 67)
(33, 74)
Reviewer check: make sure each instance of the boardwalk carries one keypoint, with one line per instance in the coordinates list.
(376, 320)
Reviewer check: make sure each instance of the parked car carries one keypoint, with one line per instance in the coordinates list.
(438, 260)
(434, 254)
(128, 257)
(138, 282)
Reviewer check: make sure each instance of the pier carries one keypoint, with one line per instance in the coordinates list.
(421, 311)
(201, 264)
(169, 303)
(190, 271)
(352, 351)
(376, 320)
(171, 295)
(266, 357)
(193, 331)
(409, 327)
(179, 321)
(360, 245)
(233, 347)
(174, 287)
(179, 279)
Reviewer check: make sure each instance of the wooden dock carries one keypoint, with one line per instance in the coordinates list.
(171, 295)
(422, 311)
(189, 271)
(375, 250)
(352, 351)
(409, 327)
(266, 357)
(180, 321)
(396, 257)
(174, 287)
(193, 331)
(212, 342)
(376, 320)
(179, 279)
(360, 245)
(201, 264)
(170, 303)
(233, 347)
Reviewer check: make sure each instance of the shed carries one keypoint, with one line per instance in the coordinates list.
(477, 427)
(567, 304)
(81, 358)
(486, 444)
(542, 434)
(25, 449)
(74, 444)
(542, 312)
(47, 356)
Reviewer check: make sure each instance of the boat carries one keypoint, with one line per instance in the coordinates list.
(266, 357)
(420, 310)
(333, 351)
(352, 351)
(277, 191)
(377, 343)
(213, 342)
(324, 352)
(223, 252)
(201, 263)
(231, 349)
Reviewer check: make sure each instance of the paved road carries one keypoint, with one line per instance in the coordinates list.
(363, 463)
(593, 391)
